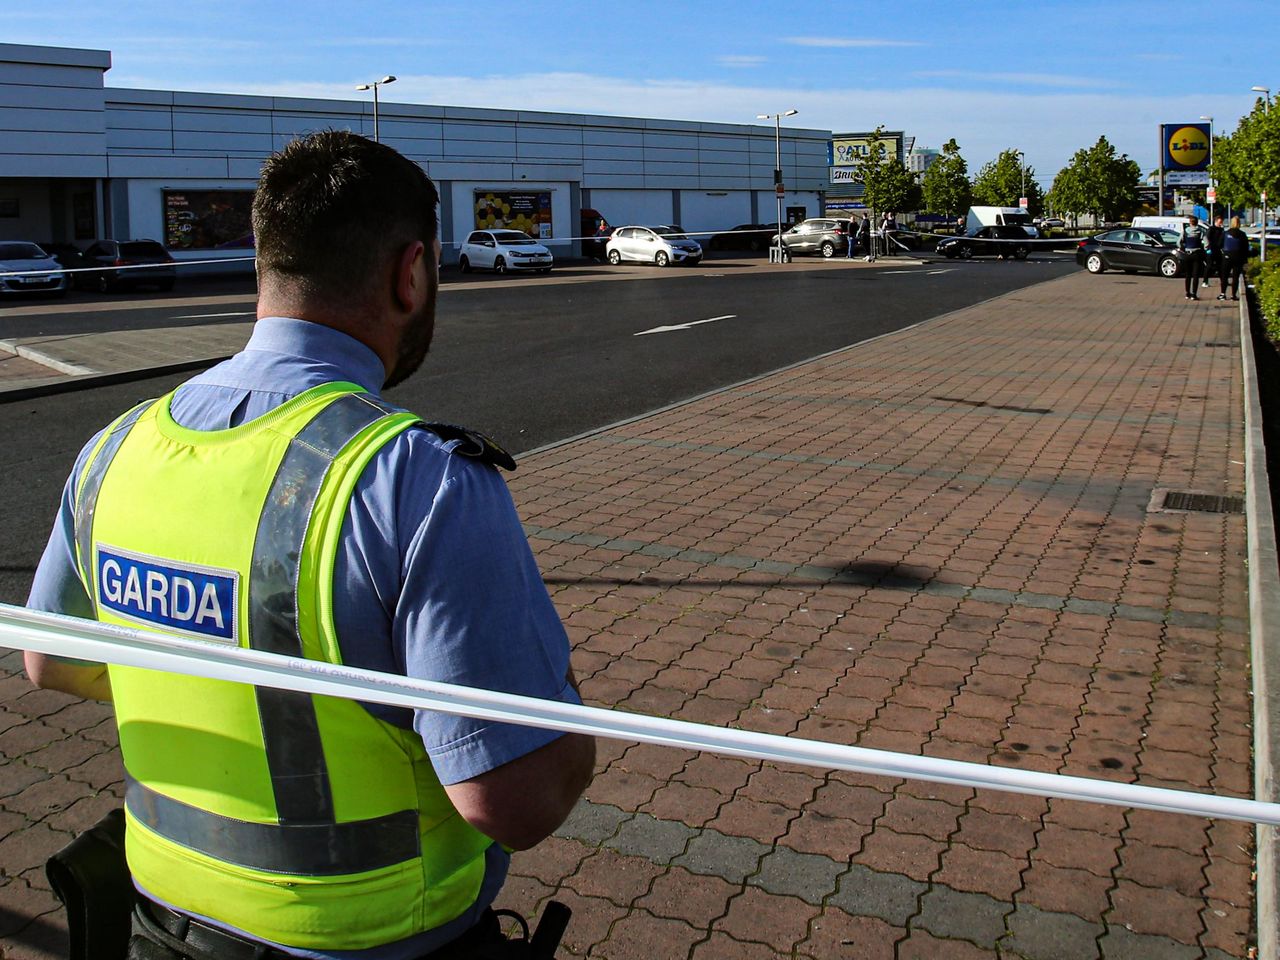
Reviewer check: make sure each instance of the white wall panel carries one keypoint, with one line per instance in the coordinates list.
(701, 210)
(621, 207)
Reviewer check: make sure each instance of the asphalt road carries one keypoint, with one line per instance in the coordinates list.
(532, 363)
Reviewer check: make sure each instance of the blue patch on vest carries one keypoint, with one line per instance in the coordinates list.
(201, 601)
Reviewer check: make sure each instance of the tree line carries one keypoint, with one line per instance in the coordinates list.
(1097, 181)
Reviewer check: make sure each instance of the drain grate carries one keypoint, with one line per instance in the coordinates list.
(1218, 343)
(1201, 502)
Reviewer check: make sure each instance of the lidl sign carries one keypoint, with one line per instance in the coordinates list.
(1185, 145)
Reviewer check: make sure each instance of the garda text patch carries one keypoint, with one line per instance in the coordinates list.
(201, 601)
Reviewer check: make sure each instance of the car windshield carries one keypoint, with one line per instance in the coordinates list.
(674, 232)
(142, 248)
(21, 251)
(1168, 236)
(512, 238)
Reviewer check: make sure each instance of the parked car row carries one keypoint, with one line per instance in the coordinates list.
(104, 265)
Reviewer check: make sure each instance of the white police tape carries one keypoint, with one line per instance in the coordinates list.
(766, 228)
(86, 640)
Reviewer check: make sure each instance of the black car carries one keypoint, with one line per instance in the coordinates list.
(1132, 249)
(823, 236)
(144, 262)
(745, 236)
(997, 241)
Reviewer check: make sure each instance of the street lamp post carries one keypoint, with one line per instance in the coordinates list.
(777, 165)
(1211, 202)
(1262, 245)
(374, 87)
(1022, 168)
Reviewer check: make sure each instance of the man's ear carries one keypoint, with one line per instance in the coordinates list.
(410, 288)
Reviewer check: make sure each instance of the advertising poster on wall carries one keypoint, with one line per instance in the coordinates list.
(526, 211)
(208, 219)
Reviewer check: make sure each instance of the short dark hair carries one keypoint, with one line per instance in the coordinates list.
(332, 207)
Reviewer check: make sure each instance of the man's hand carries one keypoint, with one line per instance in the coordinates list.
(82, 680)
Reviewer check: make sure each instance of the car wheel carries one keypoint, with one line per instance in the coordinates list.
(755, 246)
(1021, 252)
(966, 251)
(615, 257)
(1093, 263)
(465, 264)
(661, 258)
(545, 270)
(500, 265)
(828, 249)
(1168, 266)
(103, 285)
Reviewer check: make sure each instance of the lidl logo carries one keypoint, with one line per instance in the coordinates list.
(1188, 147)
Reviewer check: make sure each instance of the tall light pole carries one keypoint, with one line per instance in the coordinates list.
(1266, 108)
(374, 87)
(1211, 202)
(777, 165)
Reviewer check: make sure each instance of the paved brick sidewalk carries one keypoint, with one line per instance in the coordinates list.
(939, 542)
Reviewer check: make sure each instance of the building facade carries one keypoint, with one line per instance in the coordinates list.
(80, 160)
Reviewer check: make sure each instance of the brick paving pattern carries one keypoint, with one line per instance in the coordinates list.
(941, 542)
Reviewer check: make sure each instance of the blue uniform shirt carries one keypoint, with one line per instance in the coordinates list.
(434, 577)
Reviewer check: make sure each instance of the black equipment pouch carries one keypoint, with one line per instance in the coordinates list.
(91, 878)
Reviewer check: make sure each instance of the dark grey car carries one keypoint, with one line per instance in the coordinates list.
(825, 236)
(144, 262)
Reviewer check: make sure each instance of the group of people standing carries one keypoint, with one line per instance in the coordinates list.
(1213, 252)
(864, 235)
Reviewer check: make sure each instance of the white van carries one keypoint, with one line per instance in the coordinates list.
(980, 217)
(1174, 224)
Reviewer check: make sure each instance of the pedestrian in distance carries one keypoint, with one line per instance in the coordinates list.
(311, 517)
(865, 237)
(1192, 243)
(1213, 255)
(1235, 254)
(851, 234)
(889, 228)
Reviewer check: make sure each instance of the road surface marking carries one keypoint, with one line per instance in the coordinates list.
(210, 316)
(684, 326)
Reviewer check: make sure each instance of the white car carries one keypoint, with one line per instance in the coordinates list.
(504, 250)
(45, 276)
(660, 245)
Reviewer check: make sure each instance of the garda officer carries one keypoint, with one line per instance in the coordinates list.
(277, 502)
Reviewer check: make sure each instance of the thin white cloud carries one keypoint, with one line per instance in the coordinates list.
(849, 42)
(731, 60)
(1031, 79)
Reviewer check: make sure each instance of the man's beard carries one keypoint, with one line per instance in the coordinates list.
(414, 347)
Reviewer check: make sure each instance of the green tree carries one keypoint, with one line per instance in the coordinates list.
(1247, 163)
(1097, 181)
(887, 183)
(895, 188)
(999, 183)
(945, 185)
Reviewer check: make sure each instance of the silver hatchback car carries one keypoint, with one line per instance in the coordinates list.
(659, 245)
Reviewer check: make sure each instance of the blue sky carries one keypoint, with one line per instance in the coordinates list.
(1043, 76)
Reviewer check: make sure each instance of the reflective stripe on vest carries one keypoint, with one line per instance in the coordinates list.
(309, 849)
(86, 501)
(290, 733)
